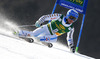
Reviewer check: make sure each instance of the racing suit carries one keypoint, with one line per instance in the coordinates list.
(49, 32)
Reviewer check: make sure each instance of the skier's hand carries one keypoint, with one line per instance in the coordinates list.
(37, 24)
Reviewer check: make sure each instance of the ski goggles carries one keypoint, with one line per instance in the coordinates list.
(72, 18)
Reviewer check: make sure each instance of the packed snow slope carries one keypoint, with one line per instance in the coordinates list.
(13, 48)
(28, 12)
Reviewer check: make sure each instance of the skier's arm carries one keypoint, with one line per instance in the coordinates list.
(70, 37)
(49, 17)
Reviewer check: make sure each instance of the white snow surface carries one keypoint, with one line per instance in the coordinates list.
(11, 48)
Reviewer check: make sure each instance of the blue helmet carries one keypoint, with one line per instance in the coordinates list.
(72, 15)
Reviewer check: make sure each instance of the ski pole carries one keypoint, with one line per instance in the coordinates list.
(80, 33)
(26, 25)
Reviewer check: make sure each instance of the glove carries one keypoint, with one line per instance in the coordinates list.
(37, 24)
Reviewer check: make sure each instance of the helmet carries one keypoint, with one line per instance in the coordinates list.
(72, 15)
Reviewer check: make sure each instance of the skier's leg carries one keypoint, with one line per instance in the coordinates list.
(70, 40)
(22, 33)
(45, 35)
(48, 38)
(43, 30)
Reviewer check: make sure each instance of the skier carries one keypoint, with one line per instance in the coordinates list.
(59, 25)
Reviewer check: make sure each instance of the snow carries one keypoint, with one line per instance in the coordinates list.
(11, 48)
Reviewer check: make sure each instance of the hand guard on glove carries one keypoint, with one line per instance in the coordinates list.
(37, 24)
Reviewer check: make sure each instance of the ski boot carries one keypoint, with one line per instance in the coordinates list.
(23, 36)
(15, 32)
(19, 33)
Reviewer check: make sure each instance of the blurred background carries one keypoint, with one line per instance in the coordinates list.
(27, 12)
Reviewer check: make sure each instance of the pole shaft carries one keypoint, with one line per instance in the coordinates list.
(80, 32)
(53, 9)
